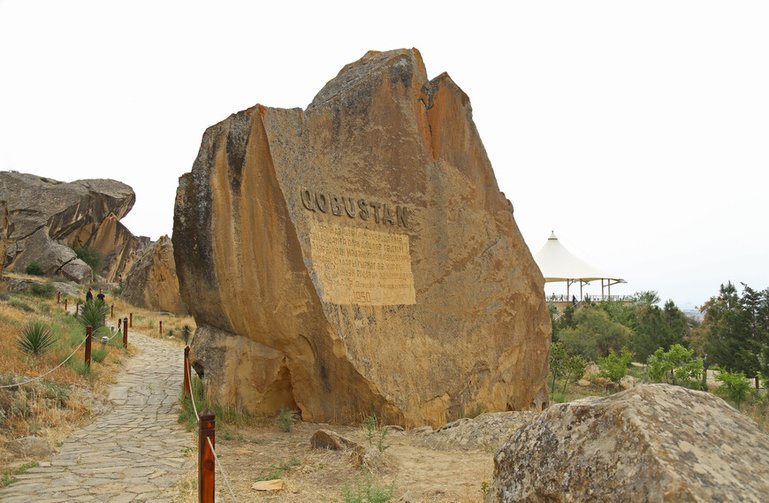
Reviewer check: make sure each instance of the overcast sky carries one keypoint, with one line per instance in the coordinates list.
(637, 131)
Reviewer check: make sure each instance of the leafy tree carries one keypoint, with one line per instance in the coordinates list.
(735, 331)
(557, 360)
(90, 256)
(614, 365)
(676, 366)
(594, 334)
(568, 368)
(735, 386)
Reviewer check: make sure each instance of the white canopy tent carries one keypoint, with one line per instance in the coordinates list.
(558, 264)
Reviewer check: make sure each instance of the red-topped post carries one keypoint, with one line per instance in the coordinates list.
(187, 372)
(88, 337)
(206, 461)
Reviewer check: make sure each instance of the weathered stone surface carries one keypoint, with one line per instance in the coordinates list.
(43, 219)
(269, 485)
(152, 283)
(365, 242)
(651, 443)
(327, 439)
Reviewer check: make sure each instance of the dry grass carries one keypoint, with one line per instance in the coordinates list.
(148, 322)
(49, 408)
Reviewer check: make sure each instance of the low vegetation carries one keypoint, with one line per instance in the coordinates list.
(37, 336)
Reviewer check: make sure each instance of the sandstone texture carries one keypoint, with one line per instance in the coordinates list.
(151, 282)
(41, 220)
(651, 443)
(357, 257)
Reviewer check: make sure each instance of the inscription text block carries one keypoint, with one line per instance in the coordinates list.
(361, 266)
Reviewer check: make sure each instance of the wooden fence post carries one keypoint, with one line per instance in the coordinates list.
(161, 327)
(206, 462)
(88, 337)
(187, 372)
(112, 311)
(58, 297)
(131, 320)
(125, 333)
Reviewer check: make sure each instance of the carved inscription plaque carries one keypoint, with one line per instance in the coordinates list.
(361, 266)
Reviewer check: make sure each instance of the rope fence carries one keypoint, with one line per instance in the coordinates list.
(206, 432)
(41, 376)
(45, 374)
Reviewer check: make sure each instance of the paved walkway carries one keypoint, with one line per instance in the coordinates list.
(135, 453)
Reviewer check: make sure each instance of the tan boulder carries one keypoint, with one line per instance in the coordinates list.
(364, 248)
(43, 219)
(652, 443)
(151, 282)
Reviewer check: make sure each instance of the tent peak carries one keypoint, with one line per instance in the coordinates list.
(552, 236)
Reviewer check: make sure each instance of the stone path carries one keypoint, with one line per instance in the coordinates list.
(135, 453)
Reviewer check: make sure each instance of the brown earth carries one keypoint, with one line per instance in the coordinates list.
(418, 465)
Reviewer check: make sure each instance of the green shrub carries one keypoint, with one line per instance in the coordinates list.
(35, 269)
(93, 313)
(36, 338)
(46, 290)
(367, 490)
(79, 366)
(89, 255)
(285, 419)
(614, 366)
(375, 434)
(735, 386)
(568, 368)
(277, 471)
(99, 354)
(677, 366)
(21, 306)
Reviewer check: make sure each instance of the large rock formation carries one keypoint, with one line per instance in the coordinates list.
(358, 257)
(651, 443)
(151, 282)
(43, 219)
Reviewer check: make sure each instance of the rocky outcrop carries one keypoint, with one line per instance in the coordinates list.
(151, 283)
(651, 443)
(358, 257)
(43, 219)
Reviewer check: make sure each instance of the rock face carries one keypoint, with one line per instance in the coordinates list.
(43, 219)
(152, 283)
(358, 257)
(651, 443)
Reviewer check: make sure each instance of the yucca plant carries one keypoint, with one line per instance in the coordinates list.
(36, 338)
(93, 313)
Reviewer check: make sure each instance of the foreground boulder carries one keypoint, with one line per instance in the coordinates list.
(43, 219)
(151, 283)
(651, 443)
(358, 257)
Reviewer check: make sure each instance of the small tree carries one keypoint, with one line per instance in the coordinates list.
(735, 386)
(557, 359)
(677, 366)
(614, 366)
